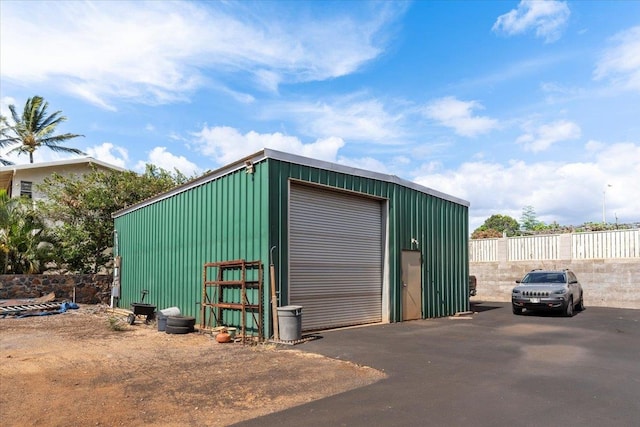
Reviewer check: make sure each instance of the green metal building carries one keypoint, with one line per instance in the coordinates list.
(348, 245)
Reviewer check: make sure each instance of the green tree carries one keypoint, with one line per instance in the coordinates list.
(81, 208)
(495, 226)
(25, 245)
(34, 129)
(529, 220)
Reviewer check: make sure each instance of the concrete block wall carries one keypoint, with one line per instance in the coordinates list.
(606, 283)
(613, 282)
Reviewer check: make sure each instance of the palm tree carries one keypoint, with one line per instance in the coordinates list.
(34, 129)
(25, 243)
(3, 131)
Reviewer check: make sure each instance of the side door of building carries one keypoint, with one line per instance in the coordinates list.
(411, 285)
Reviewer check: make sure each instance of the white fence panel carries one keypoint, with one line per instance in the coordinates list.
(534, 248)
(483, 250)
(592, 245)
(606, 244)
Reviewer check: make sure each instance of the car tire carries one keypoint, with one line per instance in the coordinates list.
(516, 310)
(580, 306)
(568, 309)
(181, 321)
(178, 330)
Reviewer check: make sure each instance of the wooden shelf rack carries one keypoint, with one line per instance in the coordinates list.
(229, 286)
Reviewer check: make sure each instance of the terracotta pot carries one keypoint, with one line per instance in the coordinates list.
(223, 337)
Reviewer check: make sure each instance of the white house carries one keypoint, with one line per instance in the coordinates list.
(22, 180)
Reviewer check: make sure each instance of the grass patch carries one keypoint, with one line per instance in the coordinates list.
(116, 324)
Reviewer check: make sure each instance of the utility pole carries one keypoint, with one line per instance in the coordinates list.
(604, 211)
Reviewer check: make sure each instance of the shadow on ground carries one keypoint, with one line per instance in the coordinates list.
(479, 306)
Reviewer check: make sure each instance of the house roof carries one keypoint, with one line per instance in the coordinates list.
(291, 158)
(7, 172)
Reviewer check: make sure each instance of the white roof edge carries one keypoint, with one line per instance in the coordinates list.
(268, 153)
(74, 161)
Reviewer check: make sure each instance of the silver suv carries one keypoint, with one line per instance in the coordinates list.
(557, 290)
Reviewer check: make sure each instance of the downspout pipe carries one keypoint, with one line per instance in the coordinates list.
(115, 286)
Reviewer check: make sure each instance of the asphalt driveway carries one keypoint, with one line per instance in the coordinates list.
(491, 369)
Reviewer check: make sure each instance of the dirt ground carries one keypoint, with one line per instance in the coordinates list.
(77, 369)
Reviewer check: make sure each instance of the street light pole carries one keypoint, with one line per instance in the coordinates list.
(604, 212)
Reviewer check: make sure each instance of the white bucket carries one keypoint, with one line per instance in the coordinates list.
(171, 311)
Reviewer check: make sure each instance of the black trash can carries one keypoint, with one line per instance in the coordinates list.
(290, 322)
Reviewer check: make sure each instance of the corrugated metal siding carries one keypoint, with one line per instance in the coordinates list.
(444, 239)
(440, 226)
(336, 257)
(165, 245)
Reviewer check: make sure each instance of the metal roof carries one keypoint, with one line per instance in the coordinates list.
(268, 153)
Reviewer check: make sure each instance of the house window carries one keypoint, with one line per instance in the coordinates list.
(26, 189)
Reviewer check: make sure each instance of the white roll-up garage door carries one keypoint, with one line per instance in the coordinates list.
(335, 258)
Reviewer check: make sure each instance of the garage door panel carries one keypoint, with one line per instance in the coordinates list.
(327, 289)
(359, 225)
(349, 277)
(335, 257)
(318, 314)
(319, 294)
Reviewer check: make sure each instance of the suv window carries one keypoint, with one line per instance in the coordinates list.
(544, 277)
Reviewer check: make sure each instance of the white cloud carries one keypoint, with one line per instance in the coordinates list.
(109, 153)
(593, 146)
(515, 70)
(621, 63)
(569, 193)
(5, 101)
(353, 117)
(160, 157)
(556, 93)
(458, 115)
(42, 155)
(105, 53)
(548, 18)
(241, 97)
(224, 144)
(544, 136)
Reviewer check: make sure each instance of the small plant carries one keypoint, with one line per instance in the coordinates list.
(116, 324)
(264, 346)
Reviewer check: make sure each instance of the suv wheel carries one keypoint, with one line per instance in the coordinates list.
(580, 305)
(568, 311)
(516, 310)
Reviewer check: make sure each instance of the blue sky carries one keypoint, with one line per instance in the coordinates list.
(505, 104)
